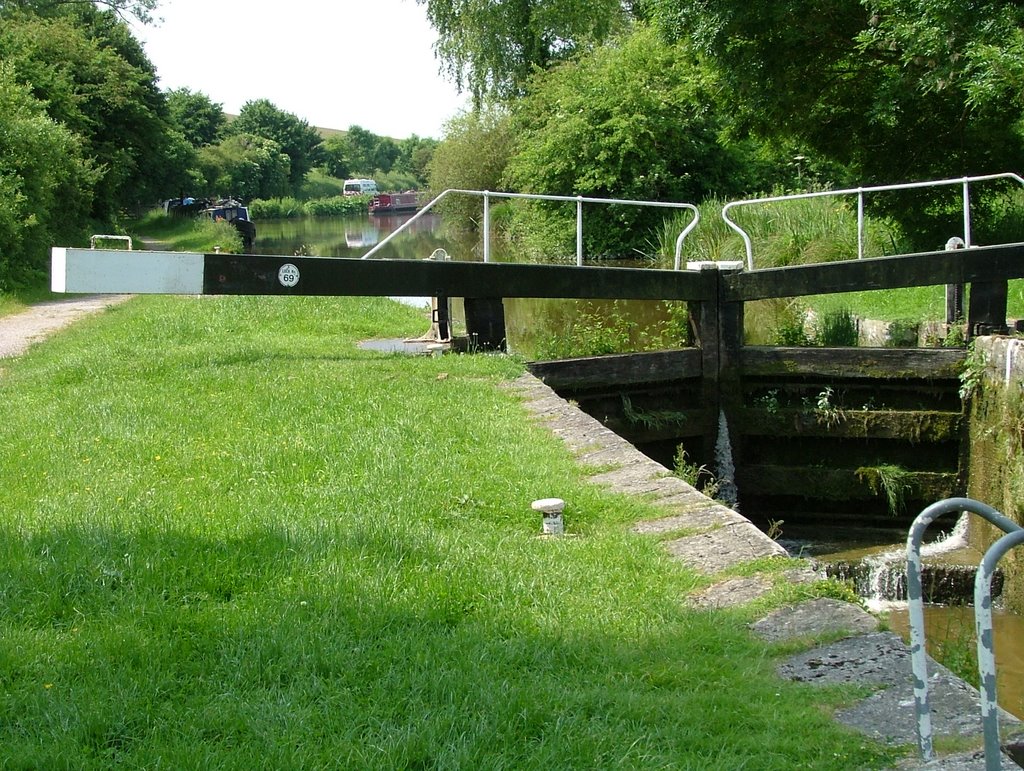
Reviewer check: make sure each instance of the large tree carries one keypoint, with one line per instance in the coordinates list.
(897, 89)
(140, 9)
(631, 120)
(490, 48)
(45, 183)
(247, 166)
(295, 137)
(96, 80)
(199, 119)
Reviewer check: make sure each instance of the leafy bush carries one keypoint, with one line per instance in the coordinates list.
(836, 328)
(621, 123)
(336, 205)
(472, 156)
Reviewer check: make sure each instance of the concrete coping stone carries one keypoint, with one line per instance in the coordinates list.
(814, 618)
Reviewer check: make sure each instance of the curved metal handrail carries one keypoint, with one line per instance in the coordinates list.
(915, 602)
(860, 191)
(578, 199)
(986, 644)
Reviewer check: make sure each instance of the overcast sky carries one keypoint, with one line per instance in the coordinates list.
(333, 63)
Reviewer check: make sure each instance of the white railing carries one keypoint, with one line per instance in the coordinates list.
(859, 192)
(101, 237)
(579, 200)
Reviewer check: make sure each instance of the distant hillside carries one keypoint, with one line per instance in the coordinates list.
(329, 132)
(323, 132)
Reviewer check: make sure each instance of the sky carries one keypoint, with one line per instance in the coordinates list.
(332, 63)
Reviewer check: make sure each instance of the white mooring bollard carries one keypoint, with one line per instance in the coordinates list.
(551, 515)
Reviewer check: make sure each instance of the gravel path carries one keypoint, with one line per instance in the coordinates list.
(20, 330)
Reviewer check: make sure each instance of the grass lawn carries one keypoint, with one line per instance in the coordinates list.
(231, 539)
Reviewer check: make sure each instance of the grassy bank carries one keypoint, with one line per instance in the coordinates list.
(232, 539)
(185, 234)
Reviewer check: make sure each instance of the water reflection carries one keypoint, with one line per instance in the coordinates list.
(350, 236)
(952, 629)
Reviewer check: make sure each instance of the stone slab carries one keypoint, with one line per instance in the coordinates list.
(814, 618)
(724, 548)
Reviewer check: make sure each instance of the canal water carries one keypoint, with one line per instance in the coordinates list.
(350, 236)
(532, 325)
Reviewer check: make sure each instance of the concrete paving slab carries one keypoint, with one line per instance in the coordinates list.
(814, 618)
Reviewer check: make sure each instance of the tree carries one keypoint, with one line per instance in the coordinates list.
(362, 150)
(295, 137)
(335, 154)
(895, 89)
(490, 48)
(247, 166)
(140, 9)
(95, 80)
(472, 156)
(630, 120)
(414, 154)
(199, 119)
(45, 183)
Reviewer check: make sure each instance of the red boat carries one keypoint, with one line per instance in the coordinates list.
(392, 203)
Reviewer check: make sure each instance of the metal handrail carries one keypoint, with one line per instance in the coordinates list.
(93, 239)
(860, 191)
(578, 199)
(915, 609)
(986, 644)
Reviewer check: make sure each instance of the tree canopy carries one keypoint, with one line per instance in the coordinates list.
(894, 89)
(295, 137)
(97, 82)
(490, 48)
(199, 119)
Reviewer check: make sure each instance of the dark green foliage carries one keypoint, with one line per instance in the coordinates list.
(629, 121)
(96, 81)
(45, 183)
(245, 165)
(836, 328)
(892, 90)
(295, 137)
(196, 116)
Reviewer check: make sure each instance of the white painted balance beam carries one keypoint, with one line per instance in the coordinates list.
(113, 271)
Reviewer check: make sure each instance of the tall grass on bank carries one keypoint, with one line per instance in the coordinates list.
(289, 208)
(186, 234)
(233, 539)
(800, 232)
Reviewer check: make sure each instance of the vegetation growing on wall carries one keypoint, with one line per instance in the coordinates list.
(996, 474)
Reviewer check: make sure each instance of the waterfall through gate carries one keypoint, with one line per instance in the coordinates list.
(725, 468)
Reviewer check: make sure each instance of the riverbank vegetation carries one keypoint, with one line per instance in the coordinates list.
(262, 546)
(185, 234)
(91, 142)
(666, 100)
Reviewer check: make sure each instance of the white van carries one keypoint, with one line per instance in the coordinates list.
(360, 187)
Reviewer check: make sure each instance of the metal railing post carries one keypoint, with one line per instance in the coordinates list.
(580, 200)
(986, 645)
(860, 223)
(487, 226)
(967, 213)
(915, 601)
(579, 230)
(860, 204)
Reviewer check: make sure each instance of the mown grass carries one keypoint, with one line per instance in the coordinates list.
(20, 299)
(232, 539)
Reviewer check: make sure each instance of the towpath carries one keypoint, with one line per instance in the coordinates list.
(19, 331)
